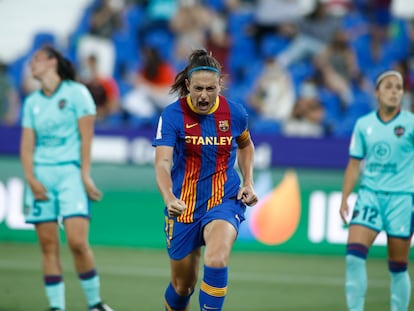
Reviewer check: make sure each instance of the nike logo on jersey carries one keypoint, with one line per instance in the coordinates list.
(188, 126)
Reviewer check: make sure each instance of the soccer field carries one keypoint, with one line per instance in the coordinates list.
(135, 279)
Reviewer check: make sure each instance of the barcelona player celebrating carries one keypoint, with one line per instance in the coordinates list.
(197, 141)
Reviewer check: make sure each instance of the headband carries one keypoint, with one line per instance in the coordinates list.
(203, 68)
(386, 74)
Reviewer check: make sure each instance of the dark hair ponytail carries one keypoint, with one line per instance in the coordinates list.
(65, 68)
(198, 60)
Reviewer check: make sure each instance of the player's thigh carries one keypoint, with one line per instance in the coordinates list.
(359, 234)
(42, 211)
(48, 235)
(72, 197)
(219, 236)
(77, 231)
(184, 272)
(398, 248)
(367, 210)
(398, 218)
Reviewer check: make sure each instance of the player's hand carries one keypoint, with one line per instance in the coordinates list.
(93, 193)
(39, 191)
(175, 207)
(344, 211)
(247, 196)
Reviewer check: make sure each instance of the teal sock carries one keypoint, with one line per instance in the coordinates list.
(213, 288)
(355, 282)
(91, 286)
(55, 291)
(400, 286)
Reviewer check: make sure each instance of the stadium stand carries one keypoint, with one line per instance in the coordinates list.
(386, 29)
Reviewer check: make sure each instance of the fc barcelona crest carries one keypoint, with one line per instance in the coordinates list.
(223, 125)
(399, 130)
(62, 103)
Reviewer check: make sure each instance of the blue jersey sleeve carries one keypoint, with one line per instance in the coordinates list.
(166, 134)
(240, 118)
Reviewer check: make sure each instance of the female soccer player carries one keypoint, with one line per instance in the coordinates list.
(384, 139)
(197, 140)
(55, 152)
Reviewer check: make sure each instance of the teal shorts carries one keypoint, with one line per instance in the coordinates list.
(65, 190)
(391, 212)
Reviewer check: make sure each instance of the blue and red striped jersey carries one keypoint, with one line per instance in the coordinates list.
(205, 148)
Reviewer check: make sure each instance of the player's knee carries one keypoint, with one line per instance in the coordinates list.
(397, 266)
(49, 247)
(78, 246)
(357, 250)
(183, 290)
(215, 259)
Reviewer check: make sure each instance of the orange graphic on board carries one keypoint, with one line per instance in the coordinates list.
(276, 217)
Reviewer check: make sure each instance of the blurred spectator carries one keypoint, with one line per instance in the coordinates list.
(190, 25)
(105, 19)
(218, 39)
(273, 96)
(337, 7)
(152, 83)
(269, 14)
(309, 36)
(157, 17)
(375, 51)
(103, 88)
(338, 65)
(308, 113)
(9, 98)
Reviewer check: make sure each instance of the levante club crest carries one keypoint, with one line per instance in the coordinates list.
(399, 130)
(223, 125)
(62, 103)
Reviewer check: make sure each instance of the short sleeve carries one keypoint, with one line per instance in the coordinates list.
(27, 116)
(357, 145)
(166, 132)
(241, 119)
(84, 103)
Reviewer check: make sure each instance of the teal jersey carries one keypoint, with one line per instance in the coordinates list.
(54, 120)
(388, 151)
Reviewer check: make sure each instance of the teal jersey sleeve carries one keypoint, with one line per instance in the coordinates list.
(54, 120)
(27, 116)
(387, 151)
(85, 104)
(357, 147)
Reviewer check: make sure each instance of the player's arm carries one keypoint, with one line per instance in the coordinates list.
(27, 146)
(86, 131)
(245, 160)
(27, 143)
(163, 164)
(350, 178)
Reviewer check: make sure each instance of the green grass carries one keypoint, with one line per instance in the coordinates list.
(135, 279)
